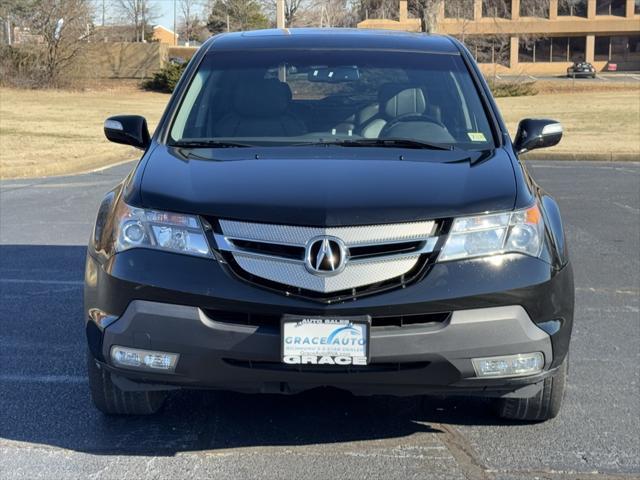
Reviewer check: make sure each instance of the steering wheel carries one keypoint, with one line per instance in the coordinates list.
(410, 117)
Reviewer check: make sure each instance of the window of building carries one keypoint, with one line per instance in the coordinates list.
(621, 48)
(534, 8)
(556, 49)
(577, 49)
(634, 46)
(602, 52)
(636, 7)
(560, 49)
(484, 52)
(496, 8)
(572, 8)
(542, 50)
(488, 49)
(611, 7)
(459, 9)
(525, 51)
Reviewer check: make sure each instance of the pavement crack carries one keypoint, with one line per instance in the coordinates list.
(464, 454)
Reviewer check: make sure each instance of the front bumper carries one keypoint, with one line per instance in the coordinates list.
(158, 301)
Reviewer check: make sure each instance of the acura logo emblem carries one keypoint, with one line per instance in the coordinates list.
(325, 255)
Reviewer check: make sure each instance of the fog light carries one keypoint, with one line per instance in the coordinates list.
(143, 359)
(509, 365)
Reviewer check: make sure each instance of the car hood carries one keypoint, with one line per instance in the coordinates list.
(327, 186)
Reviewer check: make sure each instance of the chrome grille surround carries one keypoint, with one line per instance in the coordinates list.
(357, 272)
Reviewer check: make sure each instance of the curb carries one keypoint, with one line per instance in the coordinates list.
(73, 173)
(584, 156)
(543, 156)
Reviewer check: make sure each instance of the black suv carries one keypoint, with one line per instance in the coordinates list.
(581, 70)
(330, 208)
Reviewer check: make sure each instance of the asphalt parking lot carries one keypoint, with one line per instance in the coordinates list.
(48, 428)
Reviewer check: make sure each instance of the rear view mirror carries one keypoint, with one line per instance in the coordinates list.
(537, 133)
(128, 130)
(334, 74)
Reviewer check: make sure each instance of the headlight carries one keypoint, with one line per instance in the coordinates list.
(173, 232)
(521, 231)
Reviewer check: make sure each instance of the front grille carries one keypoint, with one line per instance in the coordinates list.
(273, 321)
(384, 249)
(371, 256)
(333, 369)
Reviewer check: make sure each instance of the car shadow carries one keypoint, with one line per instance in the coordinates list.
(45, 396)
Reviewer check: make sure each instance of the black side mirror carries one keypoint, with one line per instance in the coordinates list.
(537, 133)
(128, 130)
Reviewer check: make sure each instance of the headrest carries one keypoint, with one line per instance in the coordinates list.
(396, 100)
(264, 98)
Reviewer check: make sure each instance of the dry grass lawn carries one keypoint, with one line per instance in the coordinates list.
(46, 132)
(594, 122)
(56, 132)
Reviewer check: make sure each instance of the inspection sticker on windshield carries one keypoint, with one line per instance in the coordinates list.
(310, 340)
(477, 136)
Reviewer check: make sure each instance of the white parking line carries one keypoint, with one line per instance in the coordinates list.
(72, 184)
(75, 379)
(538, 165)
(42, 282)
(627, 207)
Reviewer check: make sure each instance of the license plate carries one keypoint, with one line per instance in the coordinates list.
(308, 340)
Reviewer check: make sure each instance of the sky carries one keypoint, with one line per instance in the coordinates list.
(165, 12)
(163, 9)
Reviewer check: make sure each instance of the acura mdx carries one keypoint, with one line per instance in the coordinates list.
(330, 208)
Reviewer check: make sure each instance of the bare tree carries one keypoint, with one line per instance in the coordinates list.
(235, 15)
(334, 13)
(426, 11)
(387, 9)
(13, 13)
(295, 11)
(138, 13)
(189, 19)
(64, 26)
(496, 48)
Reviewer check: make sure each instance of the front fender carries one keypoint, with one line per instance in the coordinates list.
(556, 229)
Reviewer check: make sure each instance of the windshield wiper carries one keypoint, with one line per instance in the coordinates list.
(392, 142)
(208, 144)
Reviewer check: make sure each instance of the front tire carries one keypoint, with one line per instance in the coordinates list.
(111, 400)
(544, 405)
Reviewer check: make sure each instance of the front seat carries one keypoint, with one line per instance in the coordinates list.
(396, 100)
(260, 109)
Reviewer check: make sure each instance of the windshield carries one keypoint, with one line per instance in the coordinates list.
(299, 97)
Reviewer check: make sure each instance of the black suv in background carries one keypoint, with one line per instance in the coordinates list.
(330, 208)
(581, 70)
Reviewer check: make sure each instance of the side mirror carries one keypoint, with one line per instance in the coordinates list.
(128, 130)
(537, 133)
